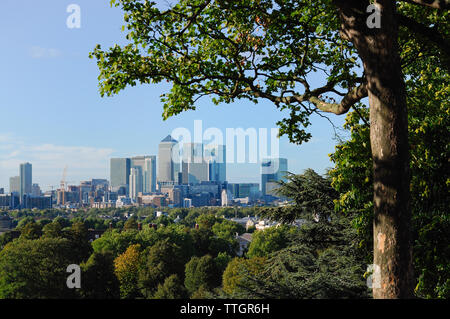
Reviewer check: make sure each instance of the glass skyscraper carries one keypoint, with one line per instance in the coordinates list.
(120, 173)
(272, 170)
(167, 168)
(25, 180)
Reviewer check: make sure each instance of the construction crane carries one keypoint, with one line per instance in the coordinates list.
(63, 186)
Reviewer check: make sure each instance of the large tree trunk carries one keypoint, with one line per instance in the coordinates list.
(378, 49)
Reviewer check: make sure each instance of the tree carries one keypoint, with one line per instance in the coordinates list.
(52, 230)
(99, 279)
(171, 289)
(159, 262)
(31, 230)
(269, 50)
(267, 241)
(126, 268)
(36, 269)
(239, 274)
(201, 272)
(427, 100)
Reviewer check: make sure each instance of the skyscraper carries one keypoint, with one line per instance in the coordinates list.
(147, 169)
(150, 174)
(25, 180)
(272, 170)
(135, 182)
(194, 166)
(167, 168)
(120, 173)
(14, 184)
(215, 156)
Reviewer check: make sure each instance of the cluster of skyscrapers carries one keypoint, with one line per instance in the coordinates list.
(191, 164)
(180, 175)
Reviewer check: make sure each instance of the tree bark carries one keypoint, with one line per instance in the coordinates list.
(378, 49)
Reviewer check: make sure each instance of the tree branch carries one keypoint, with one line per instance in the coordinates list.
(436, 4)
(429, 33)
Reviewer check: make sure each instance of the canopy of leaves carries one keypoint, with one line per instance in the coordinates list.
(36, 269)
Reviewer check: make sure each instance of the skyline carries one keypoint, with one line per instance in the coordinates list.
(62, 120)
(132, 162)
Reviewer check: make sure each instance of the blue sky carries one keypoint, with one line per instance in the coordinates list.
(52, 114)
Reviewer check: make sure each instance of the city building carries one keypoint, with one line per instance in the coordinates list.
(273, 170)
(146, 166)
(226, 197)
(135, 182)
(194, 167)
(36, 190)
(14, 184)
(215, 156)
(9, 201)
(119, 173)
(167, 168)
(243, 190)
(26, 178)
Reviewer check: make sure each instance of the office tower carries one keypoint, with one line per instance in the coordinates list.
(25, 180)
(167, 168)
(150, 174)
(242, 190)
(147, 168)
(194, 166)
(135, 182)
(120, 173)
(14, 184)
(273, 170)
(36, 190)
(2, 191)
(215, 156)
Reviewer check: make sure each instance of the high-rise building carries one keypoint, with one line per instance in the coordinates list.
(14, 184)
(215, 156)
(120, 173)
(135, 182)
(150, 174)
(36, 190)
(194, 166)
(167, 168)
(273, 170)
(25, 180)
(147, 169)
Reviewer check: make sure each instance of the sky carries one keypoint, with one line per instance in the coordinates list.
(52, 114)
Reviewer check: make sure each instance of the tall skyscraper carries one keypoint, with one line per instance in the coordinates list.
(25, 180)
(135, 182)
(14, 184)
(272, 170)
(150, 174)
(120, 173)
(194, 166)
(215, 156)
(167, 168)
(147, 169)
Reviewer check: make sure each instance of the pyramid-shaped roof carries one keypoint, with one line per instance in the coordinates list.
(169, 138)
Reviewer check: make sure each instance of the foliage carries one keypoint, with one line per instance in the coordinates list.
(31, 230)
(172, 288)
(267, 241)
(126, 268)
(240, 272)
(428, 120)
(159, 262)
(201, 272)
(36, 269)
(98, 278)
